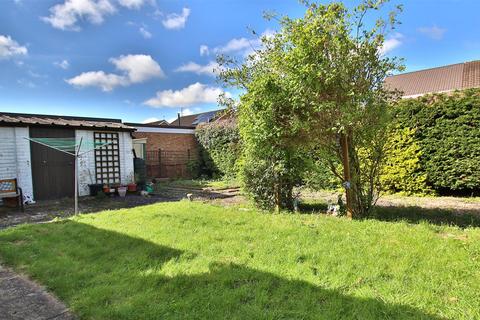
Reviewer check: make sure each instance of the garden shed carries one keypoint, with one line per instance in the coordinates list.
(44, 173)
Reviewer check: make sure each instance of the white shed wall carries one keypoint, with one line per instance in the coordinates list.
(86, 165)
(15, 157)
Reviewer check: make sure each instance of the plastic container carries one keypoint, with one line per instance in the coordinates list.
(122, 191)
(95, 189)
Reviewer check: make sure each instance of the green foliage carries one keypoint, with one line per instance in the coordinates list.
(316, 79)
(193, 168)
(221, 147)
(272, 160)
(402, 171)
(318, 176)
(444, 151)
(189, 260)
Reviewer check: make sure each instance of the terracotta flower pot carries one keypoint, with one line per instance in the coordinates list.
(132, 187)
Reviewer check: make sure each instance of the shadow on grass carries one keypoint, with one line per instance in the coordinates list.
(411, 214)
(102, 274)
(414, 214)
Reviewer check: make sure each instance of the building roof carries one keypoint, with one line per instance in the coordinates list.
(152, 125)
(441, 79)
(23, 119)
(195, 119)
(159, 122)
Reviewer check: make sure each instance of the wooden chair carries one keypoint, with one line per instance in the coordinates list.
(9, 189)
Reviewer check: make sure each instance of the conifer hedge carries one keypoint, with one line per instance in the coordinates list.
(435, 144)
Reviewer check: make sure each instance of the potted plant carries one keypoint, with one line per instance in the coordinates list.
(132, 187)
(95, 189)
(106, 189)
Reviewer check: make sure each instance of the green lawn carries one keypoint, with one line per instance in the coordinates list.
(197, 261)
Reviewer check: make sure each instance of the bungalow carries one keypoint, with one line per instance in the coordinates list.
(45, 173)
(166, 147)
(448, 78)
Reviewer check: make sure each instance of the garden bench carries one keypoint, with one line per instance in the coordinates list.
(9, 189)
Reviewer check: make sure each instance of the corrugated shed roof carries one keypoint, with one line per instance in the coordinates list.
(442, 79)
(19, 119)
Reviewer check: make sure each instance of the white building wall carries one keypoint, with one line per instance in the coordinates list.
(126, 157)
(86, 163)
(24, 167)
(15, 157)
(8, 159)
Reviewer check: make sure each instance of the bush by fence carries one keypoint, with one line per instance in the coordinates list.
(220, 147)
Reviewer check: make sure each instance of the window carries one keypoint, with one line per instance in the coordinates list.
(107, 158)
(139, 145)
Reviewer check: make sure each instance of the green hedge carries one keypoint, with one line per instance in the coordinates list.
(436, 144)
(220, 147)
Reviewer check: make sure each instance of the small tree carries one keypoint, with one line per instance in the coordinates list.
(317, 90)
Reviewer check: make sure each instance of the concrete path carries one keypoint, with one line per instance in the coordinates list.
(22, 299)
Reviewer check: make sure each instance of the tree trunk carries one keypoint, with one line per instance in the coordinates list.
(344, 142)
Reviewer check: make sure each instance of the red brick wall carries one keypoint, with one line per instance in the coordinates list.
(174, 162)
(168, 141)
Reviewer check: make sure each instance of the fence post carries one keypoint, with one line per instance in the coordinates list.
(160, 162)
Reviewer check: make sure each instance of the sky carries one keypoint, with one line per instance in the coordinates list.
(146, 60)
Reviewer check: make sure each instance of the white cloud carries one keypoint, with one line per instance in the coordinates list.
(10, 48)
(391, 43)
(175, 20)
(138, 67)
(105, 81)
(196, 93)
(65, 16)
(64, 64)
(210, 69)
(204, 51)
(135, 69)
(186, 112)
(145, 33)
(234, 45)
(242, 46)
(433, 32)
(26, 83)
(131, 4)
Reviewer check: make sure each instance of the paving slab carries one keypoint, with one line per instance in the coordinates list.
(23, 299)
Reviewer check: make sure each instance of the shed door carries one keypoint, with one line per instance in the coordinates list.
(52, 171)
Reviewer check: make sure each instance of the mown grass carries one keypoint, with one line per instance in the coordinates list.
(189, 260)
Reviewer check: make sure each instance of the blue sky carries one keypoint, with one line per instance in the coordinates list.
(144, 59)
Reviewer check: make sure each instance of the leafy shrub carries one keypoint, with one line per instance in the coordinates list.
(194, 168)
(402, 171)
(442, 150)
(220, 147)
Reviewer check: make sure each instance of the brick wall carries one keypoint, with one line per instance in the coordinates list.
(177, 149)
(168, 141)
